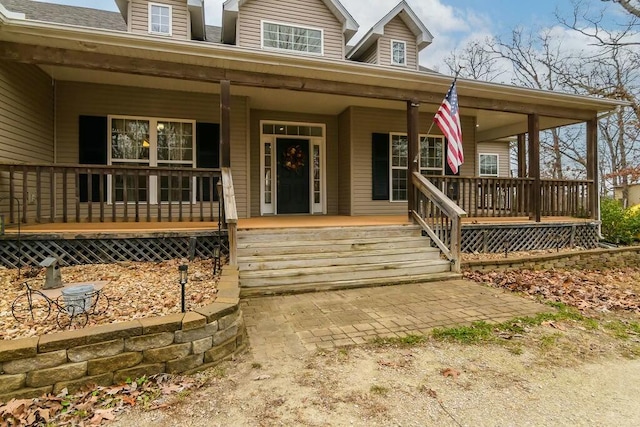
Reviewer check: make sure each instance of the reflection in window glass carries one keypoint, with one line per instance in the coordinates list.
(488, 165)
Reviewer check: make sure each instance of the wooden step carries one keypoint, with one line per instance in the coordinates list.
(336, 257)
(328, 233)
(344, 284)
(327, 259)
(342, 244)
(341, 273)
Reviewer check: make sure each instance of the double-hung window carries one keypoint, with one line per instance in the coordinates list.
(398, 52)
(292, 38)
(431, 161)
(151, 142)
(159, 19)
(488, 164)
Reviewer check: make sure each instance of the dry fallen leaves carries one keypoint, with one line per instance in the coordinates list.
(95, 405)
(135, 290)
(450, 372)
(607, 290)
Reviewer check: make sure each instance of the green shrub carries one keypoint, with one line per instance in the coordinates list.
(619, 225)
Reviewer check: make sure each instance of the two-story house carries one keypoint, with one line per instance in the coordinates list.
(132, 116)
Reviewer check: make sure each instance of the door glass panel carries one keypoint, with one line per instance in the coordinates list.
(268, 191)
(316, 174)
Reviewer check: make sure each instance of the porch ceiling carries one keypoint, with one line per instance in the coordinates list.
(491, 124)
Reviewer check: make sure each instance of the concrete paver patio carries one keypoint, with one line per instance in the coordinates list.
(296, 324)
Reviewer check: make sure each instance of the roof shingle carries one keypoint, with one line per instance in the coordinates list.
(70, 15)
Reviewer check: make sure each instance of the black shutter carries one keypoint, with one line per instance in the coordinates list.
(92, 150)
(207, 155)
(380, 163)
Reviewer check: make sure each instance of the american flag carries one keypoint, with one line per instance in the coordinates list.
(448, 120)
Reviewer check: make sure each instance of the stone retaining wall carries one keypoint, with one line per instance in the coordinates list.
(592, 259)
(111, 354)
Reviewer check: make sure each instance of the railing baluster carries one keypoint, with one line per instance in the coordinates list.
(136, 189)
(125, 196)
(77, 191)
(52, 192)
(191, 194)
(25, 192)
(180, 176)
(90, 194)
(170, 196)
(38, 194)
(159, 194)
(147, 193)
(101, 181)
(114, 193)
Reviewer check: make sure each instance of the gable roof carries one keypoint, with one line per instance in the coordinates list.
(231, 8)
(410, 19)
(70, 15)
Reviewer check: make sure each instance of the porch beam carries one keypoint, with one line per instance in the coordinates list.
(42, 55)
(225, 124)
(534, 167)
(413, 140)
(592, 167)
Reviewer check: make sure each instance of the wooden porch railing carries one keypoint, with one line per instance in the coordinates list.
(230, 214)
(96, 193)
(512, 197)
(440, 217)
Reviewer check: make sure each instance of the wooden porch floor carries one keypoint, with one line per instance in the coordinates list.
(298, 221)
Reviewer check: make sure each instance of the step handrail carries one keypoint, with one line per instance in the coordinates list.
(440, 217)
(230, 214)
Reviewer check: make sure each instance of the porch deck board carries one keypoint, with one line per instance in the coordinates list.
(297, 221)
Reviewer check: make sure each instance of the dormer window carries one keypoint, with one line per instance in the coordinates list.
(398, 52)
(159, 19)
(292, 38)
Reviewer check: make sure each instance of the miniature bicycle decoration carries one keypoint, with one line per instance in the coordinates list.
(34, 305)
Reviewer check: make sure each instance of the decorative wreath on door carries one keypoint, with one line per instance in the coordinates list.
(293, 158)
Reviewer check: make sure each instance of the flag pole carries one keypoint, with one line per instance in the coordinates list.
(455, 78)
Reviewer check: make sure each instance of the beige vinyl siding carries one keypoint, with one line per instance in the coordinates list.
(26, 114)
(331, 153)
(26, 127)
(371, 55)
(368, 121)
(304, 13)
(501, 148)
(179, 17)
(75, 99)
(397, 30)
(344, 162)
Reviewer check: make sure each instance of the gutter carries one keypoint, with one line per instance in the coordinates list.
(234, 57)
(7, 15)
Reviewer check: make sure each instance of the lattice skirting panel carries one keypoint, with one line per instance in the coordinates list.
(520, 237)
(108, 250)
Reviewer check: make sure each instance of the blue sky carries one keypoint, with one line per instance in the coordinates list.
(452, 22)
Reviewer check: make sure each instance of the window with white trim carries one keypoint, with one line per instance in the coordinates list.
(398, 52)
(292, 38)
(151, 142)
(159, 19)
(431, 161)
(488, 164)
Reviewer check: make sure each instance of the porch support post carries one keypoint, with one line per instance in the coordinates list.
(225, 124)
(534, 167)
(592, 167)
(413, 140)
(522, 155)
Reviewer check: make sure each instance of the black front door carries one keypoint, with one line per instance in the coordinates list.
(293, 176)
